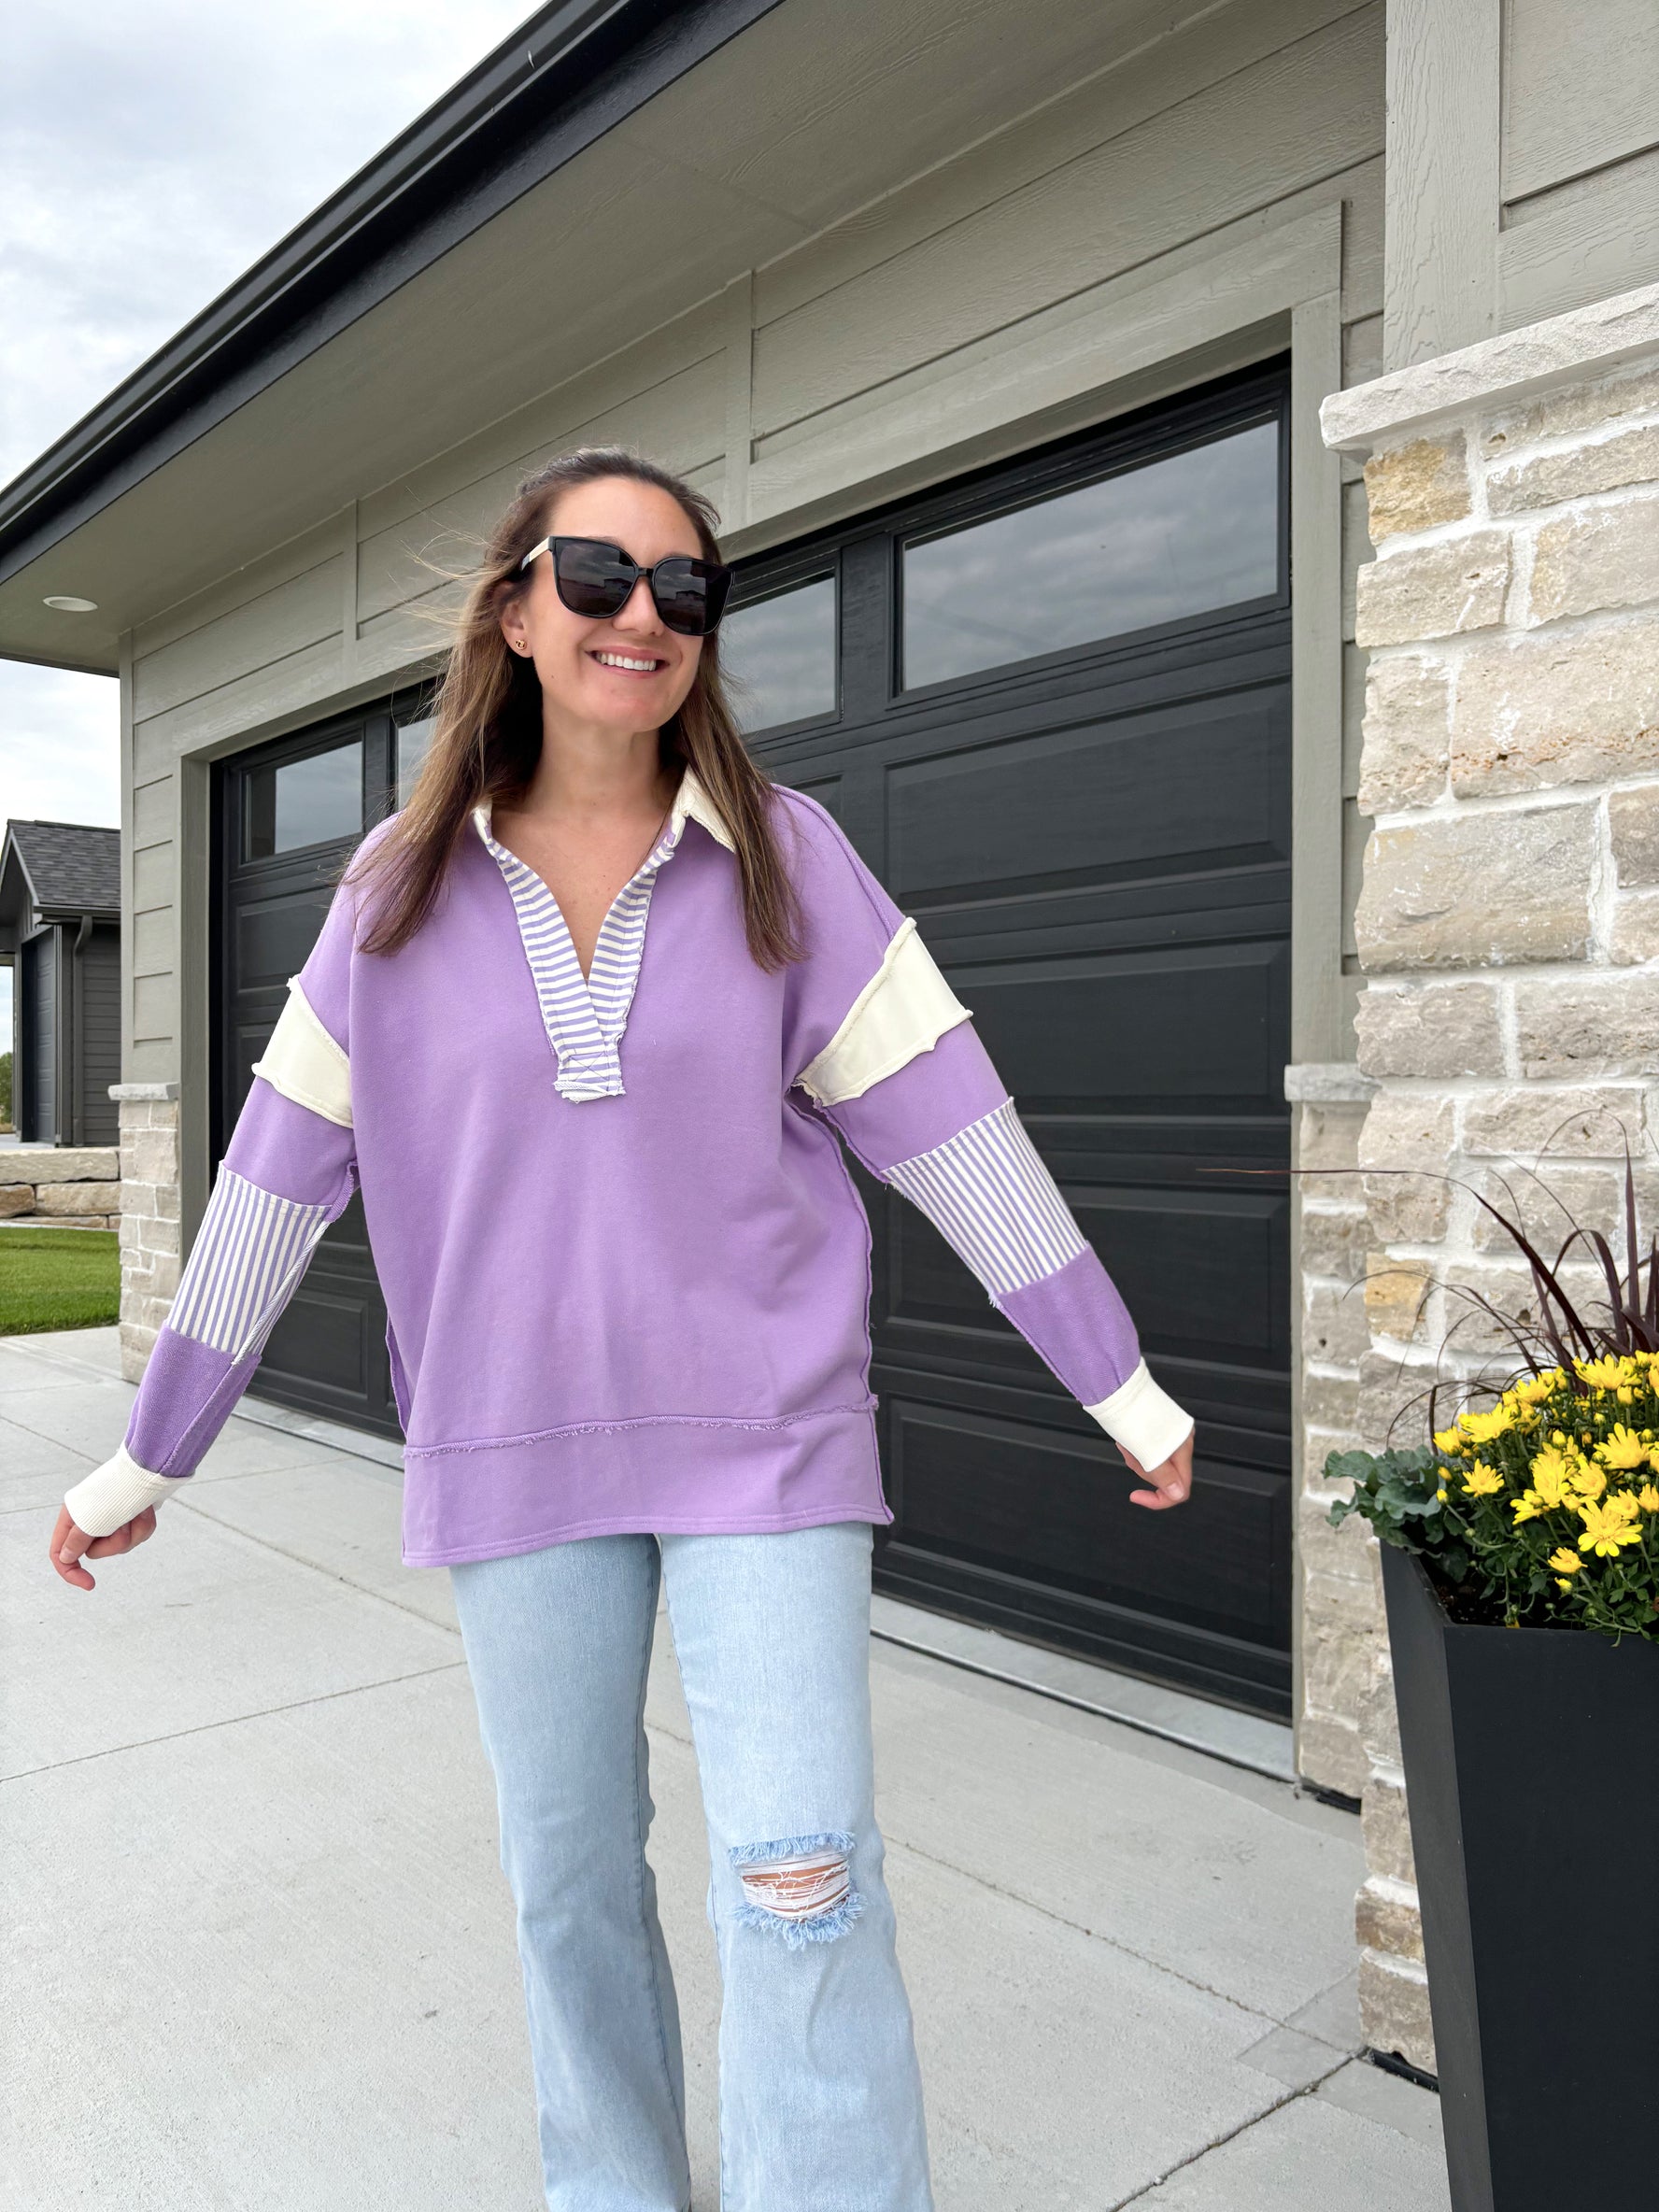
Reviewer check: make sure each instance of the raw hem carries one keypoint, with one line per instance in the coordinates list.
(662, 1524)
(650, 1475)
(607, 1428)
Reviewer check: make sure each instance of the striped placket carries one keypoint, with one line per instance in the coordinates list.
(585, 1015)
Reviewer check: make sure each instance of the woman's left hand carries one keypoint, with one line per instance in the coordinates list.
(1173, 1478)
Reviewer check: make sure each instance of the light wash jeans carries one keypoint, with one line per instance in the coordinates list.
(820, 2093)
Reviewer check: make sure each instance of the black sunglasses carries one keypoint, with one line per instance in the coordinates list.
(596, 579)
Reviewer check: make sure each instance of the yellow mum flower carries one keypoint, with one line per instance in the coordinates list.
(1648, 1498)
(1621, 1448)
(1481, 1427)
(1446, 1439)
(1588, 1480)
(1565, 1563)
(1482, 1480)
(1531, 1387)
(1551, 1477)
(1605, 1531)
(1607, 1373)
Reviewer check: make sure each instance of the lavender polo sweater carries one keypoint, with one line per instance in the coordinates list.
(626, 1270)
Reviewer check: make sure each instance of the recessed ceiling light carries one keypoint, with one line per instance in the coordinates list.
(67, 605)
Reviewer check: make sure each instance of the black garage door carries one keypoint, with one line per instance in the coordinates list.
(1050, 704)
(286, 816)
(1051, 707)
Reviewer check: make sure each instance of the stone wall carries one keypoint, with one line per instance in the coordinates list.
(1339, 1592)
(60, 1186)
(1508, 919)
(149, 1215)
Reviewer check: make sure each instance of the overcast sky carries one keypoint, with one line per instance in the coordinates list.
(149, 152)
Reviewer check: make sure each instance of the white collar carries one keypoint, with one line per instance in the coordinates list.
(691, 798)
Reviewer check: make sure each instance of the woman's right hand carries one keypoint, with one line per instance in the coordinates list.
(70, 1544)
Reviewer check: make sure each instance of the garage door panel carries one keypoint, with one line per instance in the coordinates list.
(1178, 1258)
(1228, 1150)
(1066, 1513)
(1150, 1030)
(1129, 918)
(1181, 1260)
(1219, 654)
(319, 1339)
(274, 936)
(1197, 786)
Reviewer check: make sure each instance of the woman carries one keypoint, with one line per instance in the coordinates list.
(595, 1103)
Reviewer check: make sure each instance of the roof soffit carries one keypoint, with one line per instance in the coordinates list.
(566, 275)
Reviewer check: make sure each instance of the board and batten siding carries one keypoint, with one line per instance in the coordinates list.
(1210, 200)
(1523, 155)
(1578, 154)
(100, 1034)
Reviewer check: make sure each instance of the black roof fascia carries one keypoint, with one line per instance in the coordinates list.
(567, 75)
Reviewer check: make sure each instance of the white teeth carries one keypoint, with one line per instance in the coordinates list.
(619, 660)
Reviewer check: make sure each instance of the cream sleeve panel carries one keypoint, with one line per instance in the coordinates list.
(305, 1063)
(1143, 1418)
(904, 1009)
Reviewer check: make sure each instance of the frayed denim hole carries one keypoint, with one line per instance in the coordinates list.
(811, 1924)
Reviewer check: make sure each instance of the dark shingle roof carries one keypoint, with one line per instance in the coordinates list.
(70, 863)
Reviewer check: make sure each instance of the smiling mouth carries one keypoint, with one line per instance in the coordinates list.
(629, 664)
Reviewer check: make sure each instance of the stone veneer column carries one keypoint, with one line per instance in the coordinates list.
(1339, 1591)
(149, 1215)
(1509, 920)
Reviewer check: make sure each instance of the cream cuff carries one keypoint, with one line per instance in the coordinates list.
(116, 1493)
(1143, 1419)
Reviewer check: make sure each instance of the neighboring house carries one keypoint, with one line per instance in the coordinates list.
(61, 933)
(999, 334)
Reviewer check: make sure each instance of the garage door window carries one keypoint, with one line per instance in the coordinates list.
(1186, 534)
(313, 800)
(779, 656)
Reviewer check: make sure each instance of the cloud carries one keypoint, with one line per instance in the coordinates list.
(149, 152)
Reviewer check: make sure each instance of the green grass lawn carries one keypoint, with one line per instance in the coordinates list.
(58, 1279)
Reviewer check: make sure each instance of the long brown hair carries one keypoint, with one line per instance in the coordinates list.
(488, 735)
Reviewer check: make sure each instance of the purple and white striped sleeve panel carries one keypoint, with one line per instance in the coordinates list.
(989, 1195)
(249, 1253)
(290, 1170)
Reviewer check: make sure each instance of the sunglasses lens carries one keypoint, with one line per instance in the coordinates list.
(690, 594)
(593, 579)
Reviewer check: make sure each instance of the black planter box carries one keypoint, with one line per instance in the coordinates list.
(1532, 1781)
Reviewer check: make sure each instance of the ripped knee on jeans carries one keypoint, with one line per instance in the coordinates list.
(799, 1889)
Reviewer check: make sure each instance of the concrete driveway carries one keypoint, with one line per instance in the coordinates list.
(261, 1952)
